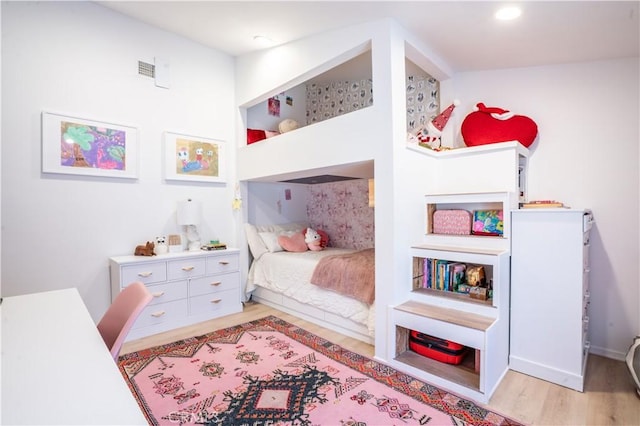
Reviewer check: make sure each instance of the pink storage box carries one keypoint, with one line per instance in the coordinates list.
(452, 222)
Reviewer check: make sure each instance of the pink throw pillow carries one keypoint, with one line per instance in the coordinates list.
(293, 243)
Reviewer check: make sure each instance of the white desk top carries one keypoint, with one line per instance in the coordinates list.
(55, 367)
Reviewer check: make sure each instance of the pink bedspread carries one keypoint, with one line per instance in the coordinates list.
(351, 274)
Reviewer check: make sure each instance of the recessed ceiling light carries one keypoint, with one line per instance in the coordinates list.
(508, 13)
(263, 40)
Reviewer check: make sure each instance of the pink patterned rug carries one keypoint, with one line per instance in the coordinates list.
(270, 372)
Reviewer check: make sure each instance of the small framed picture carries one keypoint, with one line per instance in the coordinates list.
(80, 146)
(194, 158)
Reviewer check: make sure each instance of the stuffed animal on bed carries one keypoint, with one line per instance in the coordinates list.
(313, 240)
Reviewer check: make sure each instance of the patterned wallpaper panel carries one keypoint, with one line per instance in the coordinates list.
(342, 210)
(327, 100)
(423, 101)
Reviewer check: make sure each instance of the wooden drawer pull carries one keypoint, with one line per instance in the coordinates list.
(216, 301)
(188, 268)
(216, 283)
(145, 274)
(158, 294)
(223, 262)
(158, 314)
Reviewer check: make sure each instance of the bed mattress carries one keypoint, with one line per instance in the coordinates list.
(289, 274)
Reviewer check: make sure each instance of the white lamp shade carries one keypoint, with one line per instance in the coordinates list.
(189, 212)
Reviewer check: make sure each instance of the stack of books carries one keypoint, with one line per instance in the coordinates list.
(544, 204)
(214, 246)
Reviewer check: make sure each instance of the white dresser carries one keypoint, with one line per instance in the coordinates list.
(188, 287)
(550, 294)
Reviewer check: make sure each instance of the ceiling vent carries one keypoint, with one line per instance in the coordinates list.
(147, 70)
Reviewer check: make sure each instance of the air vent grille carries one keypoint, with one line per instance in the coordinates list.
(147, 70)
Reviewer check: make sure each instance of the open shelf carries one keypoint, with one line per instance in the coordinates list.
(467, 373)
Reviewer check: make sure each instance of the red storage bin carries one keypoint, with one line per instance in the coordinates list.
(436, 348)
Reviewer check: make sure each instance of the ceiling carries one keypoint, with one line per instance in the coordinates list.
(464, 34)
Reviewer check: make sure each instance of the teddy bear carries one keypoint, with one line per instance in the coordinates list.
(313, 240)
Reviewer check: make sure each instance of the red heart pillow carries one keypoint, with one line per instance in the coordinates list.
(492, 125)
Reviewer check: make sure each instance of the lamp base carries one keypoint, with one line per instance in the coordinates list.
(193, 238)
(194, 245)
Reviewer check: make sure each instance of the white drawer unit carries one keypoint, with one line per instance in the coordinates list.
(187, 288)
(550, 294)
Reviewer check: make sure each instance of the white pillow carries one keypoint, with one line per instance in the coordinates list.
(270, 240)
(256, 245)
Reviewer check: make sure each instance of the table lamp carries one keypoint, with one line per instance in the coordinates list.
(189, 216)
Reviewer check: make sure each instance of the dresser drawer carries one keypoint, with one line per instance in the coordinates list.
(185, 268)
(215, 283)
(166, 292)
(162, 313)
(223, 263)
(150, 272)
(213, 302)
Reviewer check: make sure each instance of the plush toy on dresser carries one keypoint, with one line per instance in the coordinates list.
(161, 245)
(145, 250)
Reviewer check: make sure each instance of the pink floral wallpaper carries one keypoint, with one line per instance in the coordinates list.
(342, 210)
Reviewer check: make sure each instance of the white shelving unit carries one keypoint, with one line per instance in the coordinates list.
(491, 177)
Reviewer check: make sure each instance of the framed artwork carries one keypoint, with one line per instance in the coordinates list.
(79, 146)
(193, 158)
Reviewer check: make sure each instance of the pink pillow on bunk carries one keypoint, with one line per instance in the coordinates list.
(294, 243)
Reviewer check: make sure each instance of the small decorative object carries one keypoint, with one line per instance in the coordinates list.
(429, 136)
(452, 221)
(479, 293)
(236, 204)
(145, 250)
(475, 276)
(488, 222)
(175, 243)
(189, 217)
(488, 125)
(313, 240)
(287, 125)
(161, 245)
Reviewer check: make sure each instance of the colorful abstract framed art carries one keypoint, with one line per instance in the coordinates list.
(193, 158)
(79, 146)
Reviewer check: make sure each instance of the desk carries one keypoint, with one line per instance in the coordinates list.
(55, 367)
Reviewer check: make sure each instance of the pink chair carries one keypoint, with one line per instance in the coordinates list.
(123, 312)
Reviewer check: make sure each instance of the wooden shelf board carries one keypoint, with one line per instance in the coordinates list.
(451, 316)
(463, 374)
(452, 295)
(457, 249)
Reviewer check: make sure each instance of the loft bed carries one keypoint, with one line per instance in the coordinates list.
(333, 288)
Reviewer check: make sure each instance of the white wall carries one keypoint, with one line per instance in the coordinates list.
(81, 59)
(268, 204)
(587, 157)
(258, 116)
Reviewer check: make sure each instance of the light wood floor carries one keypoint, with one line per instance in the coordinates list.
(609, 397)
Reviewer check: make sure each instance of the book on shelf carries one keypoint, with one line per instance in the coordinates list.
(444, 275)
(541, 204)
